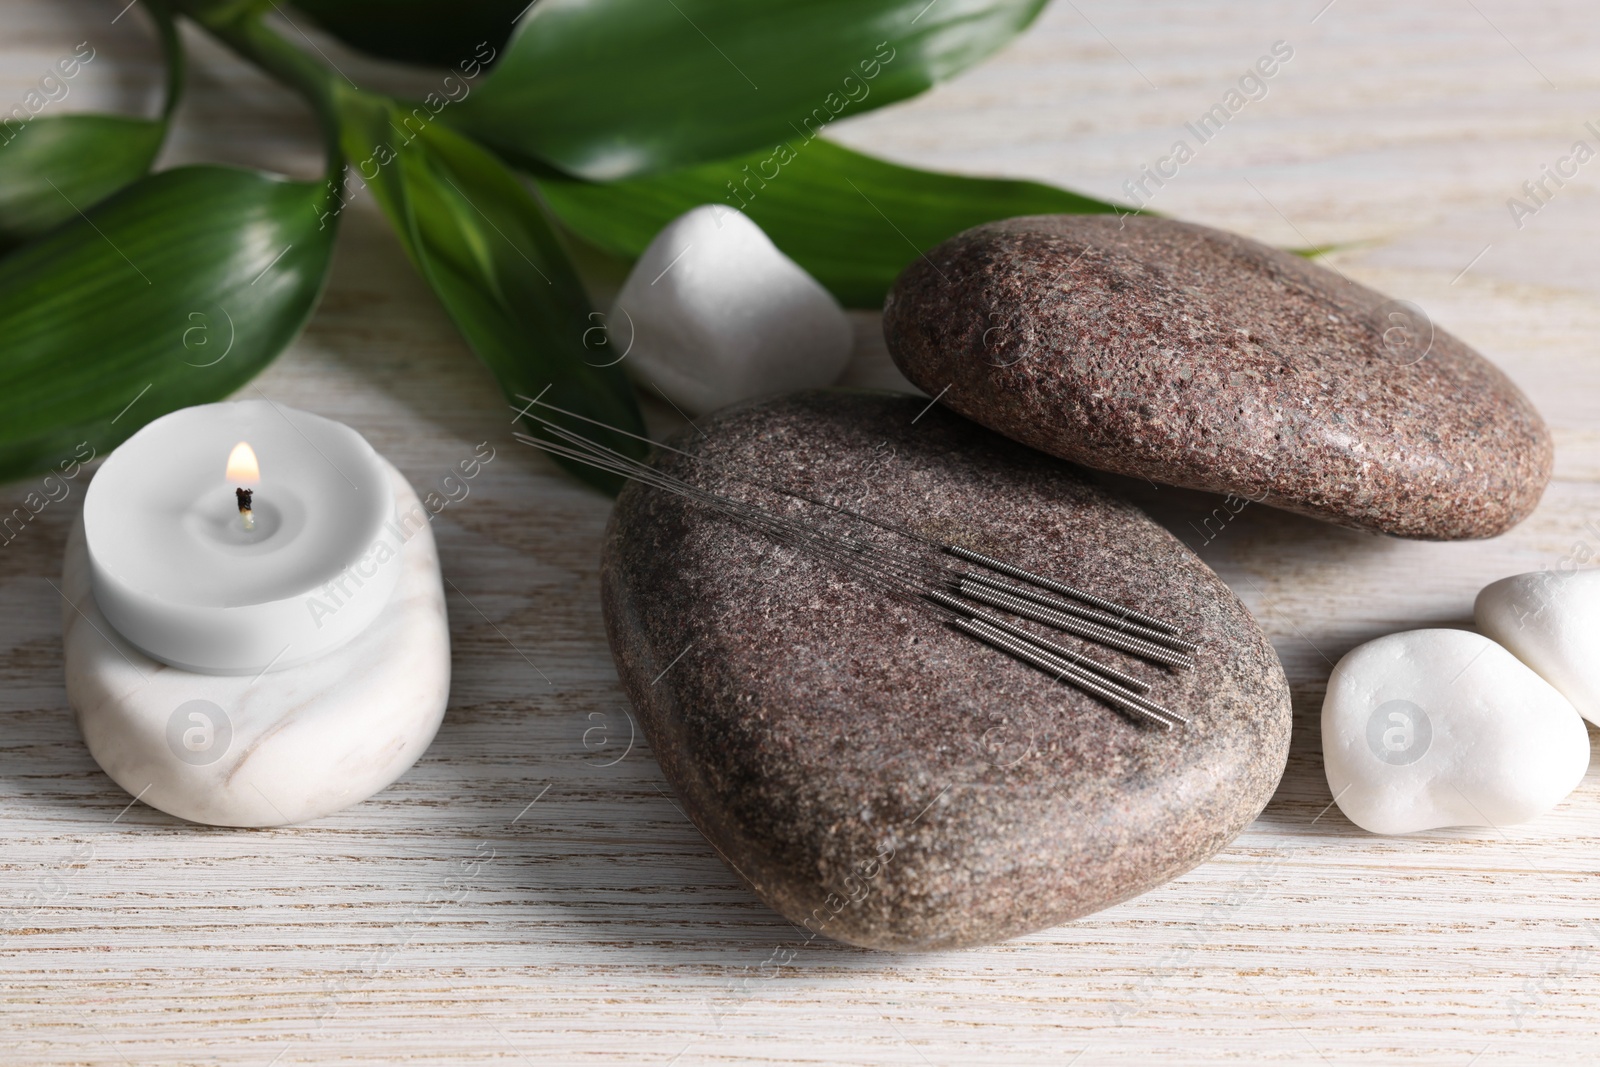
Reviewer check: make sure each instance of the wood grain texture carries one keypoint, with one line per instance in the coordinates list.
(530, 893)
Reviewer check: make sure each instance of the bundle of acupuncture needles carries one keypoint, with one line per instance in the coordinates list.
(916, 570)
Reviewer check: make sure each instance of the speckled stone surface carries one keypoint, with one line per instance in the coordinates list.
(1202, 359)
(879, 778)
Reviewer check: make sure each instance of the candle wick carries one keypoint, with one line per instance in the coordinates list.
(243, 497)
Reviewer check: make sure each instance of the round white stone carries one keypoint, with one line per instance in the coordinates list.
(1551, 621)
(284, 746)
(713, 313)
(1432, 728)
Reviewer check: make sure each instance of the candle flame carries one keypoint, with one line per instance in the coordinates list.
(242, 466)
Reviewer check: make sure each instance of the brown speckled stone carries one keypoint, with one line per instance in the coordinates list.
(884, 780)
(1197, 358)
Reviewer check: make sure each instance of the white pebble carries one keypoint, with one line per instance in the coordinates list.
(1433, 728)
(713, 313)
(1551, 621)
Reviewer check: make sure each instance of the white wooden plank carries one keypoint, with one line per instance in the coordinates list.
(596, 925)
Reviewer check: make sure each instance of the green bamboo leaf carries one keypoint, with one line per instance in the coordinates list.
(611, 88)
(853, 221)
(175, 291)
(53, 166)
(483, 244)
(62, 163)
(443, 34)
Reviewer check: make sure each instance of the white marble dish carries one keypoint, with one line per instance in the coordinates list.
(277, 748)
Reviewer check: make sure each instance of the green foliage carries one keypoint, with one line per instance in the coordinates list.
(418, 31)
(53, 166)
(480, 240)
(176, 291)
(124, 295)
(611, 88)
(853, 221)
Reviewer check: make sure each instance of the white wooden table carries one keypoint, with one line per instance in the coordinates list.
(531, 893)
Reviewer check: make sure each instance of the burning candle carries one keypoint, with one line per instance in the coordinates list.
(243, 470)
(286, 575)
(241, 537)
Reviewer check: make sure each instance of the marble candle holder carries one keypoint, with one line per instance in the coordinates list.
(280, 747)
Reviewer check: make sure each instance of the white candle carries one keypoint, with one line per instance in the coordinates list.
(185, 576)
